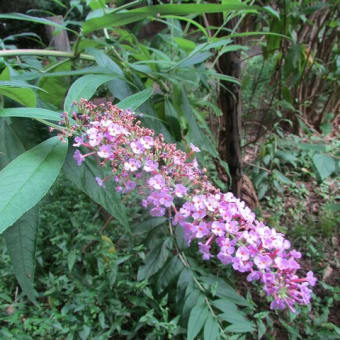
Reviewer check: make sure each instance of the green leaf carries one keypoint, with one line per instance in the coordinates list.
(240, 327)
(287, 157)
(96, 4)
(105, 61)
(71, 259)
(272, 12)
(211, 329)
(324, 165)
(197, 318)
(169, 273)
(18, 84)
(149, 225)
(281, 177)
(20, 238)
(20, 241)
(192, 298)
(85, 87)
(24, 96)
(24, 17)
(263, 190)
(84, 178)
(5, 74)
(185, 44)
(224, 290)
(25, 180)
(35, 113)
(185, 281)
(119, 88)
(11, 145)
(195, 132)
(172, 119)
(195, 58)
(155, 260)
(234, 316)
(55, 88)
(136, 100)
(128, 17)
(261, 329)
(225, 305)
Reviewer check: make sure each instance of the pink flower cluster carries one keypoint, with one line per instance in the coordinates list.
(171, 183)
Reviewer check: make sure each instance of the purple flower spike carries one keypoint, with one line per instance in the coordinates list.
(170, 183)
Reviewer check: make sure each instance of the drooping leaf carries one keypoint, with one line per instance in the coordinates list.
(17, 84)
(324, 165)
(20, 237)
(172, 119)
(24, 17)
(211, 329)
(34, 112)
(155, 259)
(169, 273)
(85, 87)
(25, 180)
(197, 318)
(124, 18)
(84, 178)
(20, 241)
(136, 100)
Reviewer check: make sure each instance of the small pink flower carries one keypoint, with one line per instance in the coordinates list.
(132, 165)
(150, 165)
(157, 182)
(78, 157)
(99, 181)
(242, 253)
(194, 148)
(137, 147)
(180, 190)
(147, 142)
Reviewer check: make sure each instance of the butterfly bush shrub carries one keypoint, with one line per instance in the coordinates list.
(170, 182)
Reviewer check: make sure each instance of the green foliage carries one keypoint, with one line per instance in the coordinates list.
(132, 276)
(280, 159)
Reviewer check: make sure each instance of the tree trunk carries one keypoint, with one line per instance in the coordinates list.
(229, 96)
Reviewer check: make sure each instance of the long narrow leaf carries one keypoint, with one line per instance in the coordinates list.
(24, 17)
(20, 238)
(124, 18)
(34, 112)
(20, 241)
